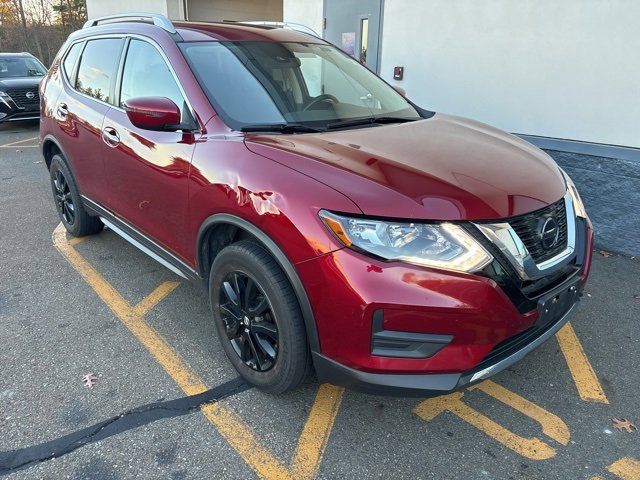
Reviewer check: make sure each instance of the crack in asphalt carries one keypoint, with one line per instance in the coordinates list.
(19, 459)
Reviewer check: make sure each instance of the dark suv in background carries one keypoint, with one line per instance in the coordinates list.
(20, 75)
(335, 223)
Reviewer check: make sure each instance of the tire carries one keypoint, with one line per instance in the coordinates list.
(234, 266)
(66, 196)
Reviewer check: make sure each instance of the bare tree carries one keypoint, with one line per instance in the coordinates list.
(39, 26)
(19, 6)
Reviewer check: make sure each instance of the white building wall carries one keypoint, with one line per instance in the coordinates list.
(566, 69)
(306, 12)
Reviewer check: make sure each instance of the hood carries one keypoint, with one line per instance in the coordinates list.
(442, 168)
(19, 82)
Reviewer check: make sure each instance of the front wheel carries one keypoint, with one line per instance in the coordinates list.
(257, 318)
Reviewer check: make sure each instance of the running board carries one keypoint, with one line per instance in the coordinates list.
(135, 243)
(141, 241)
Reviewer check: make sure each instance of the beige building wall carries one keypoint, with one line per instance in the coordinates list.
(216, 10)
(207, 10)
(100, 8)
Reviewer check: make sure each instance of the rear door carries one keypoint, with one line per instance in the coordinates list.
(89, 70)
(147, 171)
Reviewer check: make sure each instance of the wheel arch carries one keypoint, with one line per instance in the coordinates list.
(238, 224)
(51, 147)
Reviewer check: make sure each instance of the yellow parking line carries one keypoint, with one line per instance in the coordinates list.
(147, 335)
(315, 434)
(551, 424)
(584, 377)
(18, 142)
(155, 297)
(532, 448)
(73, 241)
(626, 468)
(236, 432)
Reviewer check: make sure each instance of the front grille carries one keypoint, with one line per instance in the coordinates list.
(19, 96)
(509, 346)
(543, 324)
(528, 229)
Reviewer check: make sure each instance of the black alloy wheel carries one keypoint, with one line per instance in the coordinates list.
(64, 201)
(249, 321)
(257, 318)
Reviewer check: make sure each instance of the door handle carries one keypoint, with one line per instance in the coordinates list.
(63, 110)
(110, 136)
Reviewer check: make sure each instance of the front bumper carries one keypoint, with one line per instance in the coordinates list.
(421, 385)
(11, 112)
(459, 329)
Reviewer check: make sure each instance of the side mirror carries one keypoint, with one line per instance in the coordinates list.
(153, 113)
(400, 90)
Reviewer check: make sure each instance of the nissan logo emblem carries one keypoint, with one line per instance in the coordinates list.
(29, 95)
(549, 233)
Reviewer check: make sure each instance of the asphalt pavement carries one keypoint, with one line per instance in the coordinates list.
(167, 404)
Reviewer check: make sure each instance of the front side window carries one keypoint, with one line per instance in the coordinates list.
(98, 67)
(146, 74)
(257, 83)
(21, 67)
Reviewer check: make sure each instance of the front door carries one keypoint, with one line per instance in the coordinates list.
(354, 26)
(148, 170)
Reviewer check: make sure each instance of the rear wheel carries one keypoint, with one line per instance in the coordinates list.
(71, 211)
(257, 318)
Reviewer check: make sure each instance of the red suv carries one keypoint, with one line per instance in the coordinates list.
(336, 224)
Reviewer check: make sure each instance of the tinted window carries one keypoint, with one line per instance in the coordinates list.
(229, 85)
(21, 67)
(70, 61)
(146, 74)
(98, 67)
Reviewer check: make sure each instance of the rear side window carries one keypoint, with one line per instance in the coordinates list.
(98, 67)
(70, 62)
(146, 74)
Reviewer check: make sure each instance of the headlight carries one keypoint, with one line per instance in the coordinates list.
(439, 245)
(578, 206)
(3, 98)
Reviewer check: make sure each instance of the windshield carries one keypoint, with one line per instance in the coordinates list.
(269, 83)
(21, 67)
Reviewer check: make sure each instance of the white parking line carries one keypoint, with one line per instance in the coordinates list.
(18, 142)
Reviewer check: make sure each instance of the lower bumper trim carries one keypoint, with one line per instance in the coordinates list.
(382, 383)
(20, 118)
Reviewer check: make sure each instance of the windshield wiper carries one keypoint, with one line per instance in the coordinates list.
(369, 121)
(281, 128)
